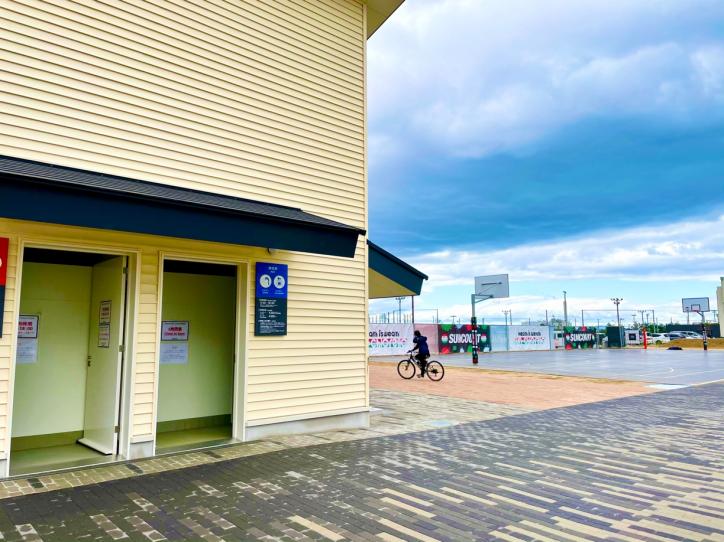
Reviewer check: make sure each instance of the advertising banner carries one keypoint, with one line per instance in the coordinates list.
(431, 332)
(390, 339)
(498, 338)
(458, 338)
(529, 338)
(579, 337)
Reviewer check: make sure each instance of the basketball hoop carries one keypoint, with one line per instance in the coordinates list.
(700, 306)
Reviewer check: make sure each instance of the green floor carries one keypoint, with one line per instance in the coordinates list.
(172, 441)
(55, 457)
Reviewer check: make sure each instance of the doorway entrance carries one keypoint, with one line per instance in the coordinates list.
(197, 355)
(69, 358)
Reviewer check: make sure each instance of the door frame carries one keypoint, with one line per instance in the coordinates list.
(129, 325)
(241, 336)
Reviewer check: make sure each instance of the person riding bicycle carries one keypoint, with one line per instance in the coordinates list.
(423, 351)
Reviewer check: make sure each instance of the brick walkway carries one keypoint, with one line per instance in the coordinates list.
(396, 413)
(645, 468)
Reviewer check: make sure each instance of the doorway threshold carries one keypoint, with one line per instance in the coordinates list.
(185, 440)
(55, 458)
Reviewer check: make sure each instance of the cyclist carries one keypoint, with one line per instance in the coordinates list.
(423, 351)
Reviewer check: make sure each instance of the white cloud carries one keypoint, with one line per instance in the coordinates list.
(473, 78)
(687, 250)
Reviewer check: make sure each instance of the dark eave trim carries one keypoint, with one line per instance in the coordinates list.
(395, 269)
(60, 195)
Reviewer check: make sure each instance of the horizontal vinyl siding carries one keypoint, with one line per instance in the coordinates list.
(254, 100)
(320, 365)
(144, 377)
(262, 100)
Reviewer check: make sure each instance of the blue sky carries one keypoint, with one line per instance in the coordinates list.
(574, 145)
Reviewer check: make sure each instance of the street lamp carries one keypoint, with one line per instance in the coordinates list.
(565, 309)
(399, 308)
(617, 302)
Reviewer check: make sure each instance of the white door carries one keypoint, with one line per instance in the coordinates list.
(105, 356)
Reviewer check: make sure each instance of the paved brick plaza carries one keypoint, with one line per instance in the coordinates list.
(647, 468)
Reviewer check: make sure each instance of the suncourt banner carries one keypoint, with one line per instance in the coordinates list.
(530, 337)
(390, 339)
(458, 338)
(579, 337)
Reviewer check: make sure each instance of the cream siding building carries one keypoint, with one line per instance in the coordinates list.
(245, 100)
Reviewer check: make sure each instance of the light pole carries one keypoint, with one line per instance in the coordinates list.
(565, 309)
(399, 308)
(507, 329)
(617, 302)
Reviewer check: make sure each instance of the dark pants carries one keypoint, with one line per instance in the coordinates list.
(422, 358)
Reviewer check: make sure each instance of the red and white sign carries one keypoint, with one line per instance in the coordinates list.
(175, 331)
(28, 326)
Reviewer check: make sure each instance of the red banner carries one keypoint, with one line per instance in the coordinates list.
(4, 244)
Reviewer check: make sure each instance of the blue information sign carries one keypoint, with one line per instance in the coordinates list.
(271, 280)
(270, 314)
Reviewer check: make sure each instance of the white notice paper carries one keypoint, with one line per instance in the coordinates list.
(27, 351)
(174, 353)
(104, 336)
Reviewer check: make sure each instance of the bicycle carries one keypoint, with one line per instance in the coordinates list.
(434, 369)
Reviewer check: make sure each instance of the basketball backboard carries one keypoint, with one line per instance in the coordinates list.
(695, 304)
(492, 286)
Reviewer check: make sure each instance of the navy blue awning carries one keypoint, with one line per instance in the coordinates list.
(389, 276)
(60, 195)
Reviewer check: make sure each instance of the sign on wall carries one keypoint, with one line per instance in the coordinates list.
(4, 246)
(270, 308)
(27, 351)
(458, 338)
(104, 312)
(174, 353)
(579, 337)
(104, 335)
(175, 330)
(174, 342)
(28, 326)
(390, 339)
(529, 338)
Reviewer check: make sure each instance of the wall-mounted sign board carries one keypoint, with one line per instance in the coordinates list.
(175, 330)
(28, 326)
(270, 308)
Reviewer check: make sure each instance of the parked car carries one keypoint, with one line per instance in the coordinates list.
(657, 338)
(692, 335)
(673, 335)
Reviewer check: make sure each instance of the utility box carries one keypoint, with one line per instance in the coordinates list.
(616, 337)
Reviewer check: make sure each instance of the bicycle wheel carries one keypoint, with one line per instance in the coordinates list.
(435, 371)
(406, 369)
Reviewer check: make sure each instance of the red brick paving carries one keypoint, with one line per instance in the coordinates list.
(527, 390)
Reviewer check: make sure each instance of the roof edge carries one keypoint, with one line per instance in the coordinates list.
(378, 11)
(397, 260)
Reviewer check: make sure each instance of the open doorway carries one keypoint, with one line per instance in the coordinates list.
(66, 400)
(197, 355)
